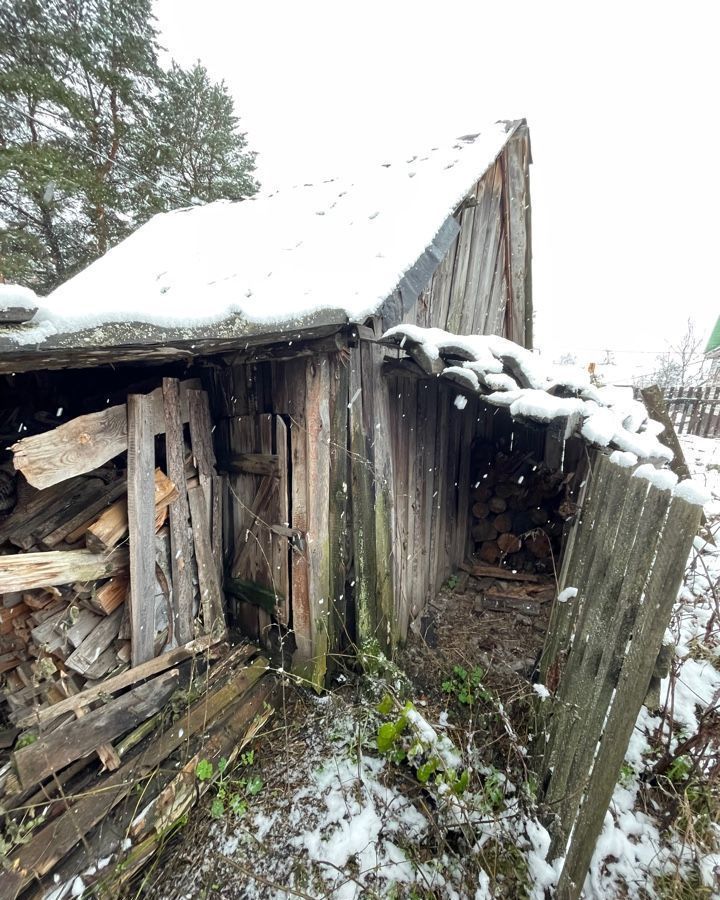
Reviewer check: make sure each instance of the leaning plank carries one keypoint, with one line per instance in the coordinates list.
(120, 682)
(202, 443)
(25, 571)
(51, 843)
(52, 752)
(210, 593)
(87, 442)
(180, 548)
(141, 525)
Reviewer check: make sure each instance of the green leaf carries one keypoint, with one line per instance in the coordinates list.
(254, 785)
(426, 769)
(461, 785)
(204, 770)
(386, 736)
(217, 808)
(222, 765)
(238, 807)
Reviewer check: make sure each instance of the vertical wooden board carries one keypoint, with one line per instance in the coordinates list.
(243, 490)
(317, 418)
(428, 408)
(498, 310)
(441, 286)
(410, 607)
(281, 547)
(458, 295)
(141, 525)
(452, 474)
(363, 514)
(401, 499)
(470, 313)
(441, 488)
(180, 546)
(216, 517)
(467, 428)
(210, 593)
(339, 524)
(422, 512)
(518, 203)
(201, 441)
(493, 236)
(299, 586)
(384, 507)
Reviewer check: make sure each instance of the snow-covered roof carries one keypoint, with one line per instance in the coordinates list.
(506, 374)
(274, 259)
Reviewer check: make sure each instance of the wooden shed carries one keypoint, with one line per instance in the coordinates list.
(278, 305)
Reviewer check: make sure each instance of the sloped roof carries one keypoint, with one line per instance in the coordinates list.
(714, 340)
(321, 253)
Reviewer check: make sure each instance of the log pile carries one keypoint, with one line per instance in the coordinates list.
(519, 509)
(110, 575)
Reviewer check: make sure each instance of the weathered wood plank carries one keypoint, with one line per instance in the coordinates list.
(50, 844)
(637, 667)
(202, 443)
(180, 545)
(210, 590)
(141, 524)
(119, 682)
(26, 571)
(280, 546)
(59, 748)
(253, 464)
(317, 455)
(458, 291)
(85, 443)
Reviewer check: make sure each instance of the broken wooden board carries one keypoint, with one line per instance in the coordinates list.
(85, 443)
(24, 571)
(59, 748)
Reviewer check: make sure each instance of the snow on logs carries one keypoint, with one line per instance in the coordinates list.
(505, 374)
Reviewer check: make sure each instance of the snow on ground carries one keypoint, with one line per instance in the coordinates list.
(276, 256)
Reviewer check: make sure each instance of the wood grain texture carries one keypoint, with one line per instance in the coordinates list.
(85, 443)
(141, 525)
(211, 599)
(95, 643)
(54, 751)
(26, 571)
(179, 512)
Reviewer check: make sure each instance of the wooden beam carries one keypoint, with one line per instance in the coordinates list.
(25, 571)
(59, 748)
(141, 525)
(85, 443)
(180, 545)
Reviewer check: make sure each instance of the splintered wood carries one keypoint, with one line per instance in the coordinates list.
(109, 576)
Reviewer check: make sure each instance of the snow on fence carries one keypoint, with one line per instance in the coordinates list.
(621, 574)
(694, 410)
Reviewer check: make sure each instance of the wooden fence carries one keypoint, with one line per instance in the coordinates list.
(625, 559)
(694, 410)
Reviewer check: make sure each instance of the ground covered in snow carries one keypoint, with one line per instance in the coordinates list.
(416, 783)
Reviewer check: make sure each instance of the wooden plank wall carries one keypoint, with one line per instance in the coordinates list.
(310, 393)
(483, 284)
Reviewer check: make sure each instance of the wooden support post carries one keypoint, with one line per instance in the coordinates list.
(141, 522)
(210, 590)
(180, 546)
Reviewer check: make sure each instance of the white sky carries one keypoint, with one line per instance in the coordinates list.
(621, 99)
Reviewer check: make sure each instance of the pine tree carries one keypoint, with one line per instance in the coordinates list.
(86, 127)
(193, 150)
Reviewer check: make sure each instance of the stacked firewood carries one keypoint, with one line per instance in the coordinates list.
(519, 509)
(75, 604)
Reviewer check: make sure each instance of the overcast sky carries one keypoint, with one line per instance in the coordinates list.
(621, 99)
